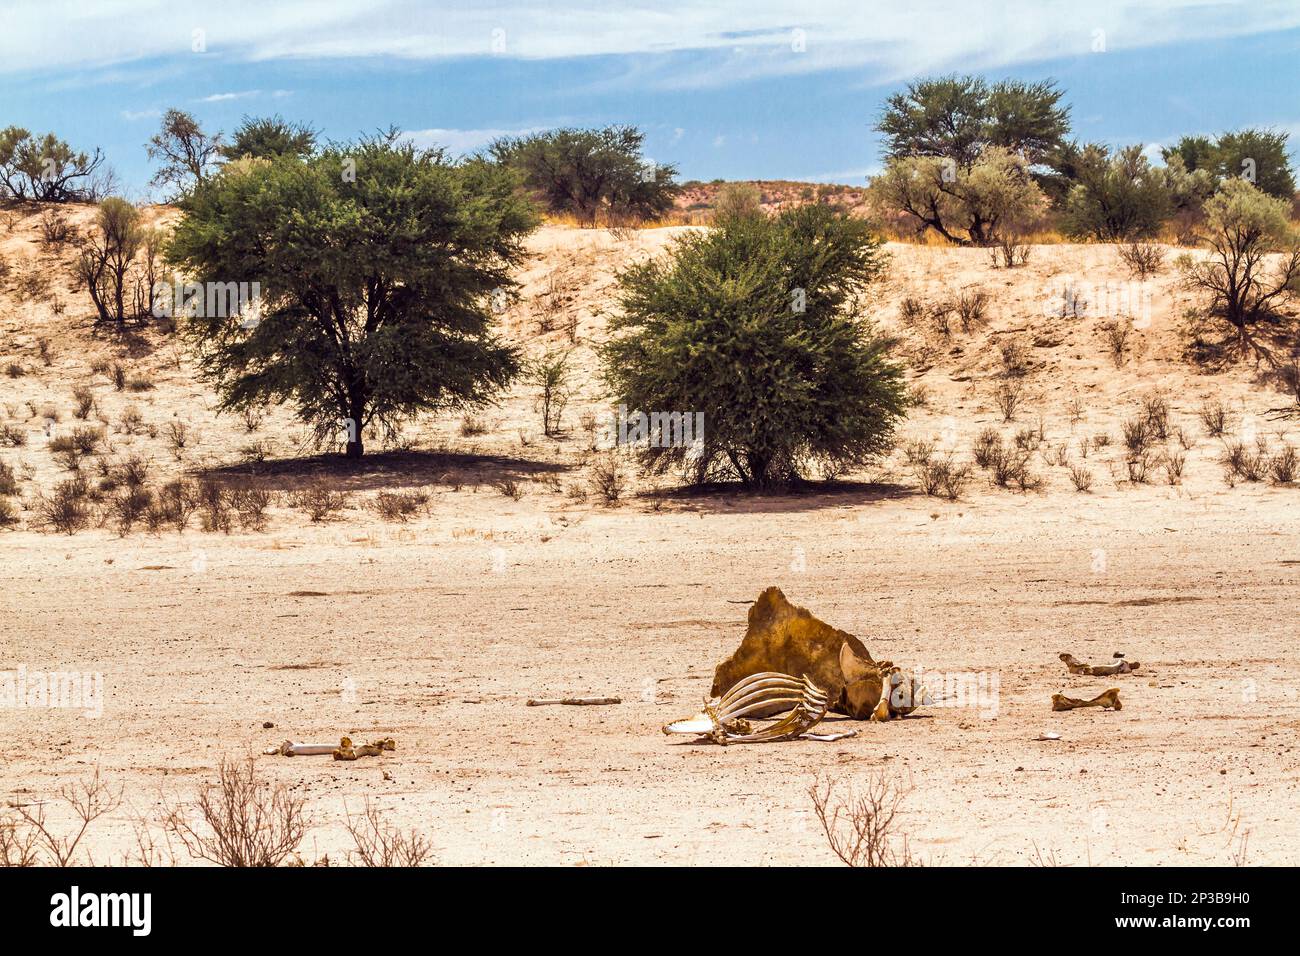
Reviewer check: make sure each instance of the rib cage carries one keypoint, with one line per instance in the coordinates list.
(723, 718)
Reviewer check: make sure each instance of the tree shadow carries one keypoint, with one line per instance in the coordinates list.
(382, 470)
(732, 498)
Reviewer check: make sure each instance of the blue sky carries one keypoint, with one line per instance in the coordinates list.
(724, 89)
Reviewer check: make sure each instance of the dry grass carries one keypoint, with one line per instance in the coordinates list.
(28, 838)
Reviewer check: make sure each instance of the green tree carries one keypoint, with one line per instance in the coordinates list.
(270, 136)
(959, 117)
(756, 325)
(1245, 227)
(590, 173)
(966, 205)
(1117, 197)
(45, 168)
(379, 266)
(186, 152)
(1259, 156)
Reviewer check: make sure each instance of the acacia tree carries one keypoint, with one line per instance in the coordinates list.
(590, 173)
(45, 168)
(187, 153)
(1257, 155)
(377, 264)
(755, 324)
(970, 205)
(267, 137)
(1246, 227)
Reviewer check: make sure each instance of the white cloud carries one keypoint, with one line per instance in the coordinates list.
(225, 97)
(132, 116)
(747, 38)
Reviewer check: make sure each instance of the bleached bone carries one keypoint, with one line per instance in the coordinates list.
(345, 750)
(291, 749)
(722, 719)
(1108, 700)
(1099, 670)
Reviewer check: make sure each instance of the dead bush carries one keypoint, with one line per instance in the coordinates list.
(1249, 464)
(972, 309)
(982, 449)
(941, 477)
(1015, 358)
(1155, 409)
(175, 503)
(607, 477)
(178, 437)
(377, 843)
(240, 820)
(918, 451)
(1284, 466)
(1215, 417)
(319, 503)
(1081, 478)
(1008, 397)
(1137, 434)
(15, 370)
(8, 513)
(8, 483)
(215, 512)
(1009, 252)
(12, 436)
(399, 506)
(28, 837)
(1173, 462)
(1138, 465)
(1117, 334)
(859, 829)
(85, 402)
(250, 503)
(471, 426)
(1144, 259)
(130, 505)
(66, 510)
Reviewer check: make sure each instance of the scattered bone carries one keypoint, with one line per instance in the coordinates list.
(785, 639)
(291, 749)
(829, 738)
(1109, 700)
(346, 751)
(1099, 670)
(722, 719)
(1048, 735)
(574, 701)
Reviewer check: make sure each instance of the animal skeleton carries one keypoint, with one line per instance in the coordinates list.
(1099, 670)
(1108, 700)
(722, 719)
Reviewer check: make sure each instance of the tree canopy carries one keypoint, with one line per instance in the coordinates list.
(591, 173)
(377, 265)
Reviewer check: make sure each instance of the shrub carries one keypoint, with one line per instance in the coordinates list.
(378, 843)
(214, 507)
(241, 820)
(738, 201)
(550, 375)
(1081, 477)
(985, 444)
(1214, 416)
(942, 477)
(751, 325)
(607, 477)
(1284, 465)
(85, 402)
(1245, 226)
(399, 506)
(13, 436)
(8, 483)
(1172, 463)
(1144, 259)
(319, 503)
(1116, 197)
(1007, 397)
(15, 370)
(8, 515)
(65, 511)
(1117, 333)
(972, 308)
(251, 502)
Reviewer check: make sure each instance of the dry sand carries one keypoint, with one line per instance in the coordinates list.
(437, 631)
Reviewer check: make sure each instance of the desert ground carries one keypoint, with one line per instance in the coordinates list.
(517, 580)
